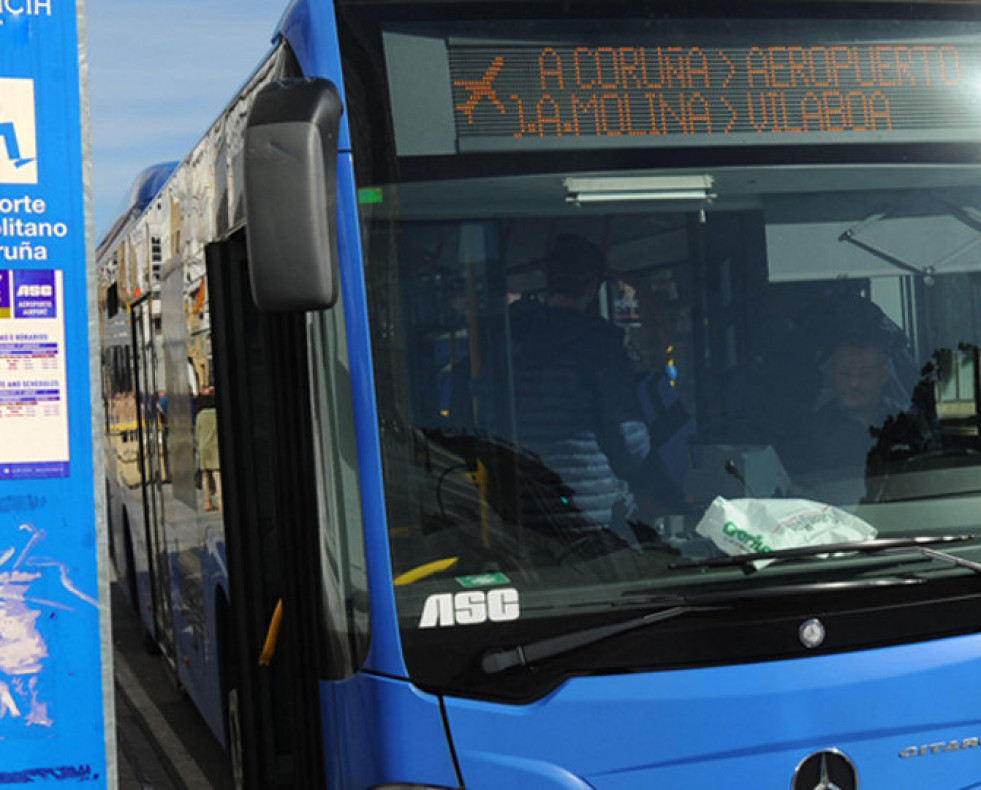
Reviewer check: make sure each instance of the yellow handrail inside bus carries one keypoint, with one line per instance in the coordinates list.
(422, 571)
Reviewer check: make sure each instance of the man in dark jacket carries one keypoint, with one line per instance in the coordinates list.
(576, 406)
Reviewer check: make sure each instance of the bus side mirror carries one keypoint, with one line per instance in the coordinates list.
(290, 195)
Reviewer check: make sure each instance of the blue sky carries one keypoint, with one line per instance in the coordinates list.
(159, 73)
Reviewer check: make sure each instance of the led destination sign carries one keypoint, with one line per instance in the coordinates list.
(615, 91)
(775, 88)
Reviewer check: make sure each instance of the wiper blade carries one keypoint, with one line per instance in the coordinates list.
(945, 557)
(876, 546)
(776, 591)
(499, 660)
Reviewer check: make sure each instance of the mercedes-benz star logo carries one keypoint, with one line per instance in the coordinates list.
(826, 770)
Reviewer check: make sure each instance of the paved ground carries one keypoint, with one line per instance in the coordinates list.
(162, 742)
(139, 765)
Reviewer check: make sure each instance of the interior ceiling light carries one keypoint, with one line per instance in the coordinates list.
(613, 189)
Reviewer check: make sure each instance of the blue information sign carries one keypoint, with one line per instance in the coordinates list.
(53, 643)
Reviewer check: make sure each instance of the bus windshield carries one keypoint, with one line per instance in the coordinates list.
(647, 295)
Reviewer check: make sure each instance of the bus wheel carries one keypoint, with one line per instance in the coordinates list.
(233, 733)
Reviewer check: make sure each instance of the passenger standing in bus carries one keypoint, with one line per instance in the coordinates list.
(576, 405)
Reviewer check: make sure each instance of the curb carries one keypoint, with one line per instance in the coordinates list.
(175, 757)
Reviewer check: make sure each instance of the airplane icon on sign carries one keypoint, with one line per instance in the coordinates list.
(9, 136)
(18, 132)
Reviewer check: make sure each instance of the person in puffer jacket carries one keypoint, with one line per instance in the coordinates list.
(576, 405)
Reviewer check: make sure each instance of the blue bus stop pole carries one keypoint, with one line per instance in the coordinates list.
(56, 711)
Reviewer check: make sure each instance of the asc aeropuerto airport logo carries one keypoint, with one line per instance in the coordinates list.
(18, 132)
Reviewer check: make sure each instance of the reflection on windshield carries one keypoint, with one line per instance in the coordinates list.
(566, 392)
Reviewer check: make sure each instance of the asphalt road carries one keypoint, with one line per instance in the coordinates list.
(162, 743)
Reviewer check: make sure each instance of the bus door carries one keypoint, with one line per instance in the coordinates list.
(263, 400)
(153, 470)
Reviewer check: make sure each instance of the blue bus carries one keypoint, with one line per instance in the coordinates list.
(566, 394)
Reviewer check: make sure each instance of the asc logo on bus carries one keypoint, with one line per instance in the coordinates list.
(470, 608)
(35, 290)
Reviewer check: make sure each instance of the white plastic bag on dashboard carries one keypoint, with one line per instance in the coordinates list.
(749, 526)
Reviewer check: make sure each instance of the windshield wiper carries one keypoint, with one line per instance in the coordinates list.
(876, 546)
(499, 660)
(945, 557)
(632, 597)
